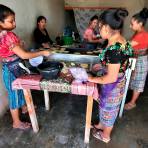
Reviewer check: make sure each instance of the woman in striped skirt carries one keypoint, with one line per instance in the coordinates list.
(140, 44)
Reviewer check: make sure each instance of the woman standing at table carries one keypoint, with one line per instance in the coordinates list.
(140, 44)
(11, 53)
(115, 59)
(41, 35)
(91, 38)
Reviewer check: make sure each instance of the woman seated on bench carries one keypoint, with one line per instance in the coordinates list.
(41, 35)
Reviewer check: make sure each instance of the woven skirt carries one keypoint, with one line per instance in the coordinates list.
(110, 101)
(138, 77)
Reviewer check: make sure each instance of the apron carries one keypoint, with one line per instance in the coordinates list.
(14, 68)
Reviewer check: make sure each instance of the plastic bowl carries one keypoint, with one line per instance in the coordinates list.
(36, 61)
(67, 40)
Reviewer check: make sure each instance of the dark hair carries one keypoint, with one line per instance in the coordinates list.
(142, 16)
(95, 17)
(5, 12)
(114, 18)
(40, 18)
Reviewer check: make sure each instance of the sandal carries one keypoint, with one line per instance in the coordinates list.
(129, 106)
(99, 136)
(95, 128)
(23, 126)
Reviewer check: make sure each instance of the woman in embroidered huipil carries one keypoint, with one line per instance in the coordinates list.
(139, 42)
(114, 59)
(11, 52)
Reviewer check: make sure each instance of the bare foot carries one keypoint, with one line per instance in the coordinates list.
(98, 126)
(22, 125)
(129, 106)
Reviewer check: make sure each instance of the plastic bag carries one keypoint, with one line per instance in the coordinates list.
(36, 61)
(79, 74)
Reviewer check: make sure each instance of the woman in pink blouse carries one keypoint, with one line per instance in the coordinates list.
(11, 53)
(90, 37)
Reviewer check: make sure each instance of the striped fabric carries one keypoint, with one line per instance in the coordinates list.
(27, 81)
(89, 89)
(139, 75)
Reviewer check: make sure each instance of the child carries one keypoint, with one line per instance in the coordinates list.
(11, 52)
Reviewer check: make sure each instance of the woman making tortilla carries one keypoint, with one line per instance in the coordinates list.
(115, 59)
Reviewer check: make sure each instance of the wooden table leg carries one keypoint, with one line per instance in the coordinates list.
(31, 110)
(47, 100)
(88, 118)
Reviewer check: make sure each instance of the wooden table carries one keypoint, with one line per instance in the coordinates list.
(37, 84)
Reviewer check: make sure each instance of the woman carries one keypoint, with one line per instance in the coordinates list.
(140, 44)
(11, 53)
(115, 58)
(41, 36)
(90, 37)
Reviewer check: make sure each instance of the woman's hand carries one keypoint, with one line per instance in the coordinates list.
(96, 67)
(90, 79)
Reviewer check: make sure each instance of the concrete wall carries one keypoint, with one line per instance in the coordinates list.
(133, 6)
(3, 96)
(146, 5)
(26, 14)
